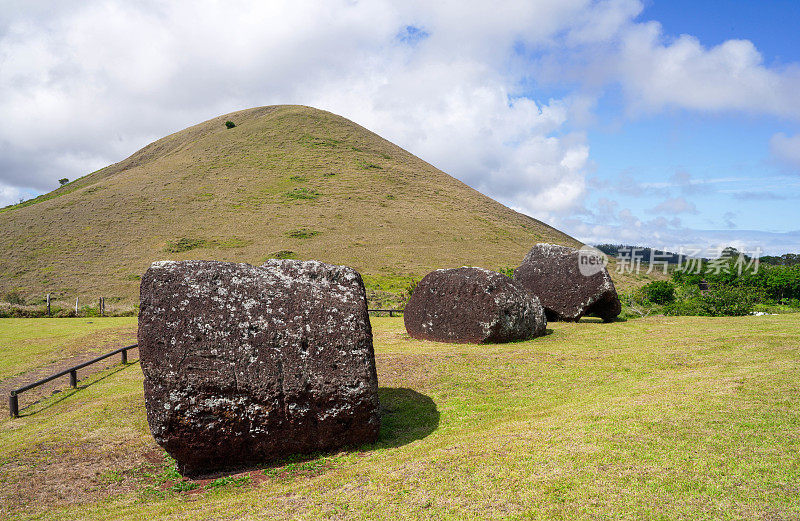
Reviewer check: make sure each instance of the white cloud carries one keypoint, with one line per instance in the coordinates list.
(656, 73)
(675, 205)
(10, 195)
(628, 184)
(786, 149)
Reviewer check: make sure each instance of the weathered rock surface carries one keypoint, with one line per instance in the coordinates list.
(472, 305)
(567, 292)
(246, 364)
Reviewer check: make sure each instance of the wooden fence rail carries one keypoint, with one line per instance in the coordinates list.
(390, 311)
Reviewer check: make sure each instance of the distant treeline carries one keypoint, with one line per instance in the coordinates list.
(642, 253)
(648, 254)
(787, 259)
(776, 281)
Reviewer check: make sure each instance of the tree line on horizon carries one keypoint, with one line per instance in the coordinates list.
(650, 254)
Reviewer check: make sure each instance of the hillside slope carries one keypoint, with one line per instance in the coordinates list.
(286, 181)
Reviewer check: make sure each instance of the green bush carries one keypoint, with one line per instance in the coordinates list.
(691, 306)
(303, 194)
(230, 124)
(635, 304)
(409, 290)
(282, 254)
(728, 301)
(659, 292)
(184, 486)
(14, 298)
(777, 281)
(302, 233)
(184, 244)
(230, 480)
(508, 272)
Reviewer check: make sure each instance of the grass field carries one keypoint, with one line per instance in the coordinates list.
(665, 418)
(28, 344)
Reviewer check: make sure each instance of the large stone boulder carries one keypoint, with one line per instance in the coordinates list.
(570, 283)
(247, 364)
(472, 305)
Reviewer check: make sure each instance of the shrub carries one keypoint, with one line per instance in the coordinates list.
(791, 302)
(184, 486)
(508, 272)
(302, 193)
(302, 233)
(690, 306)
(230, 124)
(728, 301)
(659, 292)
(229, 480)
(63, 181)
(14, 298)
(409, 290)
(184, 244)
(282, 254)
(635, 304)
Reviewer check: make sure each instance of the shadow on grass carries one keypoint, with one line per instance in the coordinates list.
(406, 416)
(59, 395)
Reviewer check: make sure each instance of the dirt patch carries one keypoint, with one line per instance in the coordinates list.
(51, 474)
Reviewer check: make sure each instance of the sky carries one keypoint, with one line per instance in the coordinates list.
(670, 124)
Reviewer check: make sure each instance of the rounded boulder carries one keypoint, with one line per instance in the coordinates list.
(570, 283)
(472, 305)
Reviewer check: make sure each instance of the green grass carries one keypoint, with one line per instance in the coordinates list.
(184, 244)
(662, 417)
(302, 233)
(302, 194)
(388, 290)
(229, 481)
(26, 344)
(280, 254)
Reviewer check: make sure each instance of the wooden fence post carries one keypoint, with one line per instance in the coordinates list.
(13, 405)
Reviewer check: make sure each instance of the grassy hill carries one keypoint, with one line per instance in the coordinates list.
(287, 181)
